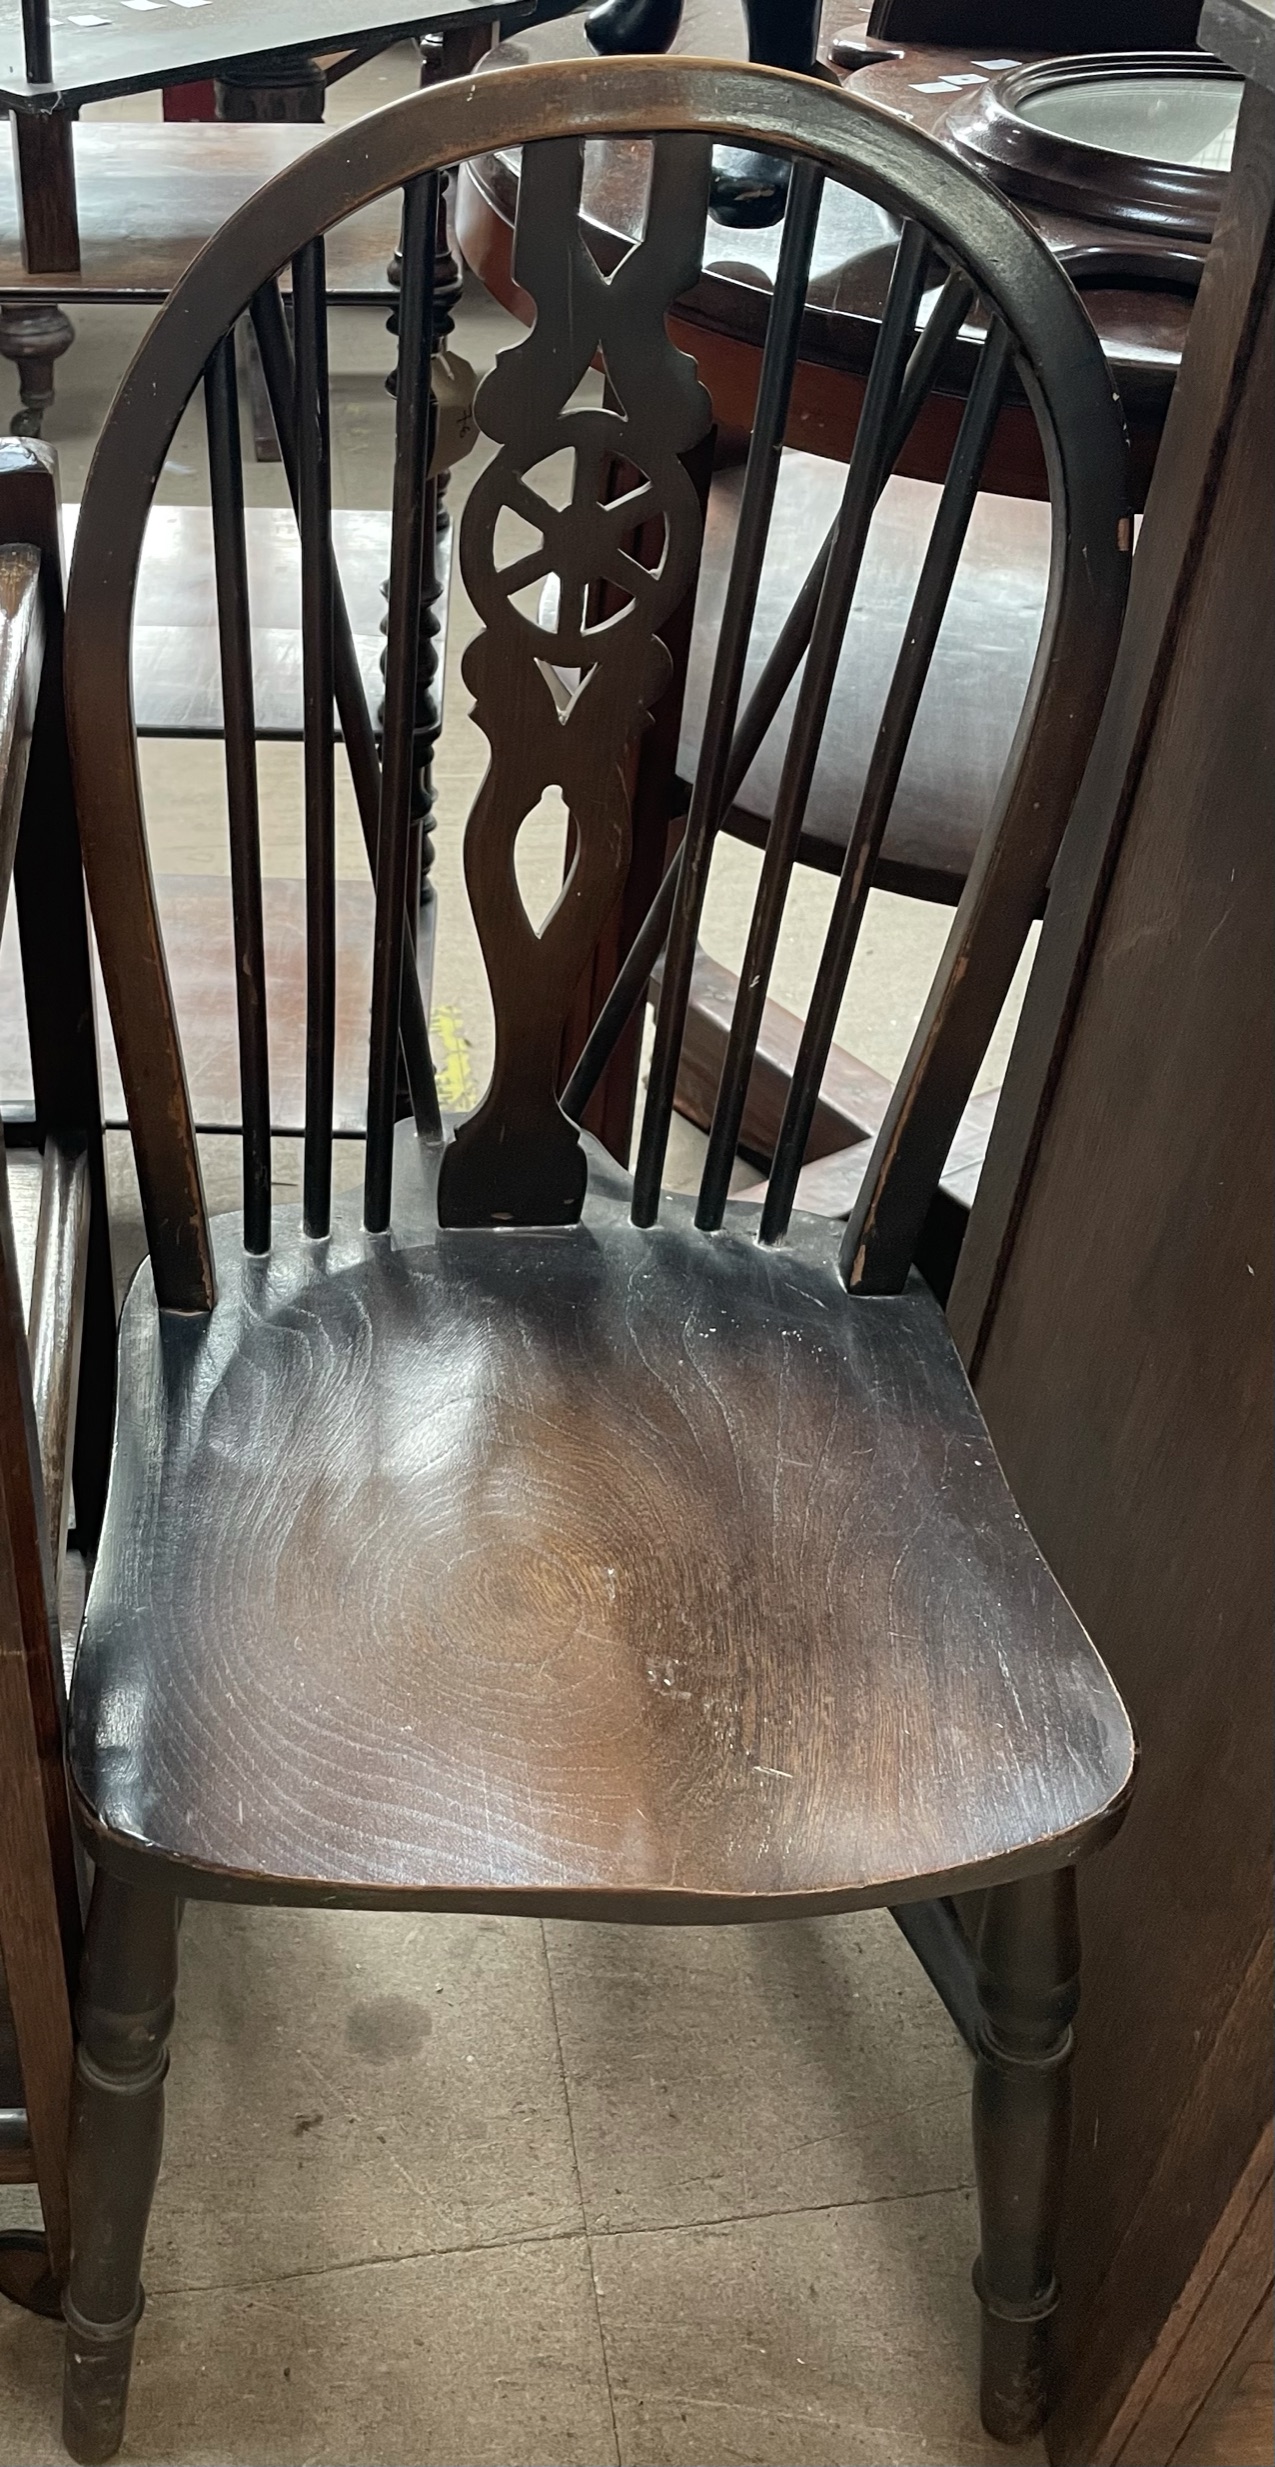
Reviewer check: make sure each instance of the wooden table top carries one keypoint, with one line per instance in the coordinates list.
(151, 193)
(131, 46)
(1142, 329)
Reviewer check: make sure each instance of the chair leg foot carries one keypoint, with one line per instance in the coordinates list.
(125, 2013)
(1028, 1981)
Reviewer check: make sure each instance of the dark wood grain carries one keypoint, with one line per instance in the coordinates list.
(610, 1567)
(1120, 1348)
(1029, 1988)
(53, 935)
(542, 1712)
(1233, 2428)
(125, 2012)
(1069, 377)
(518, 1160)
(38, 1913)
(39, 1909)
(44, 170)
(1041, 25)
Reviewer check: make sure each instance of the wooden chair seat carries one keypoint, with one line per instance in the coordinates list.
(449, 1515)
(973, 694)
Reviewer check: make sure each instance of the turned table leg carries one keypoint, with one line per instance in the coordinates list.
(33, 334)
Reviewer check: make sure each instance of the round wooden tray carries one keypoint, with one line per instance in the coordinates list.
(1176, 200)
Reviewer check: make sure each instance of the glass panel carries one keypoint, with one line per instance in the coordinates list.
(1168, 119)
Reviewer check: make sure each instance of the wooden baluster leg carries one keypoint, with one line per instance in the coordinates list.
(1028, 1983)
(33, 334)
(125, 2014)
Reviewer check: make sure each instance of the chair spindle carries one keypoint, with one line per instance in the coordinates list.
(270, 328)
(938, 572)
(793, 640)
(761, 479)
(781, 665)
(230, 551)
(314, 475)
(864, 481)
(414, 427)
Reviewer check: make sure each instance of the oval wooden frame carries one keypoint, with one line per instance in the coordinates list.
(1135, 192)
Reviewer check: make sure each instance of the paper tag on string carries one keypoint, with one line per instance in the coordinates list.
(455, 385)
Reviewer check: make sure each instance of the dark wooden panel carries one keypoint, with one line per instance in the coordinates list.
(1115, 1297)
(1235, 2426)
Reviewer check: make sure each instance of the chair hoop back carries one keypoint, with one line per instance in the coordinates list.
(519, 1159)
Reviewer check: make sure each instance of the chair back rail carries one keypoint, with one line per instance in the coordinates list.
(56, 1355)
(572, 659)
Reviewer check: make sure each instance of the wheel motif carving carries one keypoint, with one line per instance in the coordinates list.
(562, 686)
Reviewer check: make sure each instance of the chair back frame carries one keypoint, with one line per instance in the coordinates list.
(518, 1160)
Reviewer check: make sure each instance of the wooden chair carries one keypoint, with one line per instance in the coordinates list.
(56, 1366)
(575, 1550)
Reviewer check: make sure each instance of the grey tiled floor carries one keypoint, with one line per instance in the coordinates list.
(455, 2191)
(470, 2190)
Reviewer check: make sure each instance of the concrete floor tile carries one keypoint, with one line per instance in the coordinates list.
(833, 2338)
(482, 2360)
(718, 2072)
(347, 2087)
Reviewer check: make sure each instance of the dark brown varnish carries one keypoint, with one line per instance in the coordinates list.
(518, 1544)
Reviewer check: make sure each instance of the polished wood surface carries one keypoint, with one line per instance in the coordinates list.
(1142, 330)
(521, 1537)
(1120, 1350)
(151, 194)
(542, 1711)
(973, 695)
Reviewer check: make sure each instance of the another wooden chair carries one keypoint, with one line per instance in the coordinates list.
(964, 730)
(521, 1539)
(56, 1366)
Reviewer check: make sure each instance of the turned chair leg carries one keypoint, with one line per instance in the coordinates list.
(1028, 1965)
(125, 2013)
